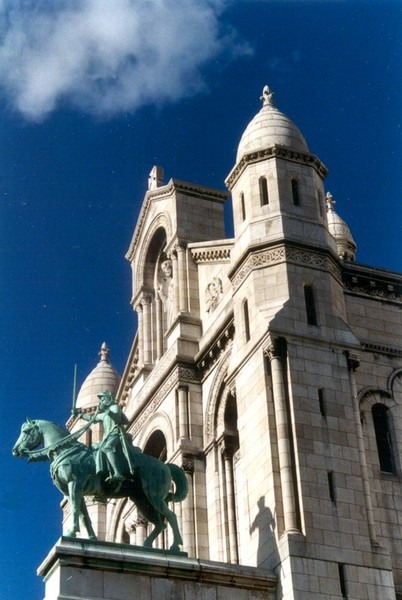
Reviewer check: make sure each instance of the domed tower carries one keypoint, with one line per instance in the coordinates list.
(103, 377)
(345, 243)
(276, 183)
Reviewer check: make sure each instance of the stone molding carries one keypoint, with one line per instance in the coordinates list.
(179, 374)
(201, 255)
(270, 256)
(378, 349)
(373, 287)
(276, 151)
(213, 400)
(222, 342)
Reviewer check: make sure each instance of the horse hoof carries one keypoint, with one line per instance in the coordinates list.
(71, 534)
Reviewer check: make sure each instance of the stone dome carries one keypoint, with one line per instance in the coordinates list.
(345, 243)
(103, 377)
(269, 127)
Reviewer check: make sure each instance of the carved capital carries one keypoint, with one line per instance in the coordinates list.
(188, 464)
(140, 521)
(276, 349)
(130, 527)
(146, 300)
(352, 361)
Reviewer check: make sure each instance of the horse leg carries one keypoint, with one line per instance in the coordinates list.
(152, 516)
(163, 508)
(87, 520)
(74, 497)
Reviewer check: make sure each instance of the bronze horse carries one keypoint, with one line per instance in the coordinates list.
(147, 483)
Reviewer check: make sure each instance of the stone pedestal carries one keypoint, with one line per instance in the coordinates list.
(91, 570)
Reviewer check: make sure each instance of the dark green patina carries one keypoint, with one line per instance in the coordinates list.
(112, 469)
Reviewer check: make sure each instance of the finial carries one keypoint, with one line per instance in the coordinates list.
(104, 352)
(155, 178)
(267, 97)
(330, 200)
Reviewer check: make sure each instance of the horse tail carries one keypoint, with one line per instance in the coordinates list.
(180, 482)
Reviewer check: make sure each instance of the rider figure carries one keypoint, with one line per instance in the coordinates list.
(113, 443)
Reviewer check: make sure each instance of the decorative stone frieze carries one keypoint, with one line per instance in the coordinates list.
(279, 254)
(201, 255)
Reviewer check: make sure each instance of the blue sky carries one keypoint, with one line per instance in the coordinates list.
(94, 93)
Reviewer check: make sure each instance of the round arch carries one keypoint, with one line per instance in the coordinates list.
(155, 241)
(158, 422)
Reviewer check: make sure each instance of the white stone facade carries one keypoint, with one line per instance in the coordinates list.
(269, 366)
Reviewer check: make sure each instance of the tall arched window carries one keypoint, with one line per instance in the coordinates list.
(383, 437)
(246, 320)
(295, 192)
(264, 198)
(242, 207)
(309, 301)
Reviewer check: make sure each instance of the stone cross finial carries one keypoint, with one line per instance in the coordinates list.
(104, 352)
(155, 178)
(267, 97)
(330, 200)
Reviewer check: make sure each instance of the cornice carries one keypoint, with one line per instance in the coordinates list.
(276, 151)
(380, 284)
(205, 254)
(379, 349)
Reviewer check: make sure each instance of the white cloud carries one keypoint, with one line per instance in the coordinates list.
(107, 56)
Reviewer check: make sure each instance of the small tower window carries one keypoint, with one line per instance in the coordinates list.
(320, 203)
(309, 300)
(264, 198)
(383, 437)
(246, 320)
(295, 192)
(242, 207)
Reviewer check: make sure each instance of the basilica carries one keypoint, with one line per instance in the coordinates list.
(269, 367)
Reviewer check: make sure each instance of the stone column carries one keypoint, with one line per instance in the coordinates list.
(159, 326)
(147, 333)
(188, 516)
(276, 354)
(227, 455)
(175, 277)
(353, 364)
(140, 530)
(140, 335)
(131, 529)
(182, 278)
(182, 393)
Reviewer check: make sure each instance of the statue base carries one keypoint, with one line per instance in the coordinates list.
(77, 569)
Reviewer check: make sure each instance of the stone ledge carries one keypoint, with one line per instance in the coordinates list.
(71, 560)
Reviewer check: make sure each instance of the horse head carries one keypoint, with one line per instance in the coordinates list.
(29, 439)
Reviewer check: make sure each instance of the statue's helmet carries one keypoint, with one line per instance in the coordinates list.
(106, 398)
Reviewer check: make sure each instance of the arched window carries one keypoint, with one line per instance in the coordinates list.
(264, 198)
(309, 301)
(383, 437)
(242, 207)
(246, 320)
(156, 446)
(295, 192)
